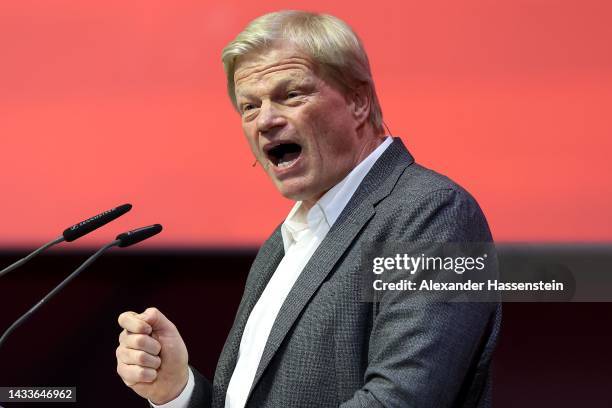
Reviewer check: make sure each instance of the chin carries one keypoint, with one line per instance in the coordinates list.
(295, 193)
(291, 194)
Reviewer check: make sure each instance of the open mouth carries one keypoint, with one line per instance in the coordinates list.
(284, 154)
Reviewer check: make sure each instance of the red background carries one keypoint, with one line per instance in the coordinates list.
(124, 101)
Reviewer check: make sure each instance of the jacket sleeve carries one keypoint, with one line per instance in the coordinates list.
(202, 392)
(426, 352)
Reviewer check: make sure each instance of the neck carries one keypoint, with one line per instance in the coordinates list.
(371, 142)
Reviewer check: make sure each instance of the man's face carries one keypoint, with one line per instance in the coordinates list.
(300, 127)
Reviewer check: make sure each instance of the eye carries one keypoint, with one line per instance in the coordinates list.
(292, 94)
(247, 107)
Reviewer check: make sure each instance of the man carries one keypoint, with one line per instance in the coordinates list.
(302, 337)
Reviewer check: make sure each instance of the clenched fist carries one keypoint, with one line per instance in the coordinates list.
(152, 357)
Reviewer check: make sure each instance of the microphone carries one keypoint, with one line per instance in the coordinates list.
(122, 241)
(135, 236)
(95, 222)
(74, 232)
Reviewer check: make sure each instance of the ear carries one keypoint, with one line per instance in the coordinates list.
(360, 105)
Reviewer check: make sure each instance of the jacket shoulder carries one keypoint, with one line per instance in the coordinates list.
(429, 205)
(419, 181)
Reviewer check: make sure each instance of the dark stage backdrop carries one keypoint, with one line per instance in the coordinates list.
(550, 354)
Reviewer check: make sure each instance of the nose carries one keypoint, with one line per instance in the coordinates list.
(269, 117)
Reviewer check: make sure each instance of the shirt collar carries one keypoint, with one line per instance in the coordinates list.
(326, 211)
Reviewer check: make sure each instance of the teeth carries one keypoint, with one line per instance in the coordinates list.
(286, 164)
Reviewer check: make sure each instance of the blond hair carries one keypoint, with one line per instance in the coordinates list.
(328, 41)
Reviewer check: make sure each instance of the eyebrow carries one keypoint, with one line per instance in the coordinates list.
(283, 83)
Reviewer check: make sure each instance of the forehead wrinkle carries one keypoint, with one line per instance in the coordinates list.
(258, 71)
(263, 83)
(254, 87)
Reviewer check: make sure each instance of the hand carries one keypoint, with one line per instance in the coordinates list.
(152, 357)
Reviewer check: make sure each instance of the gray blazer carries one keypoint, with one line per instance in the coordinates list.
(328, 349)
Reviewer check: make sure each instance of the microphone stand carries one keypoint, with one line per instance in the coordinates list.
(58, 288)
(123, 240)
(32, 255)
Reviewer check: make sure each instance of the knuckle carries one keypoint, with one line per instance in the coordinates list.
(156, 362)
(152, 310)
(140, 341)
(141, 357)
(142, 373)
(157, 347)
(123, 316)
(138, 326)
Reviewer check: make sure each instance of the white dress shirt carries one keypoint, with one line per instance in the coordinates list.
(302, 232)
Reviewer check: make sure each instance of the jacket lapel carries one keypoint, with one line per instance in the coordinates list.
(377, 185)
(263, 267)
